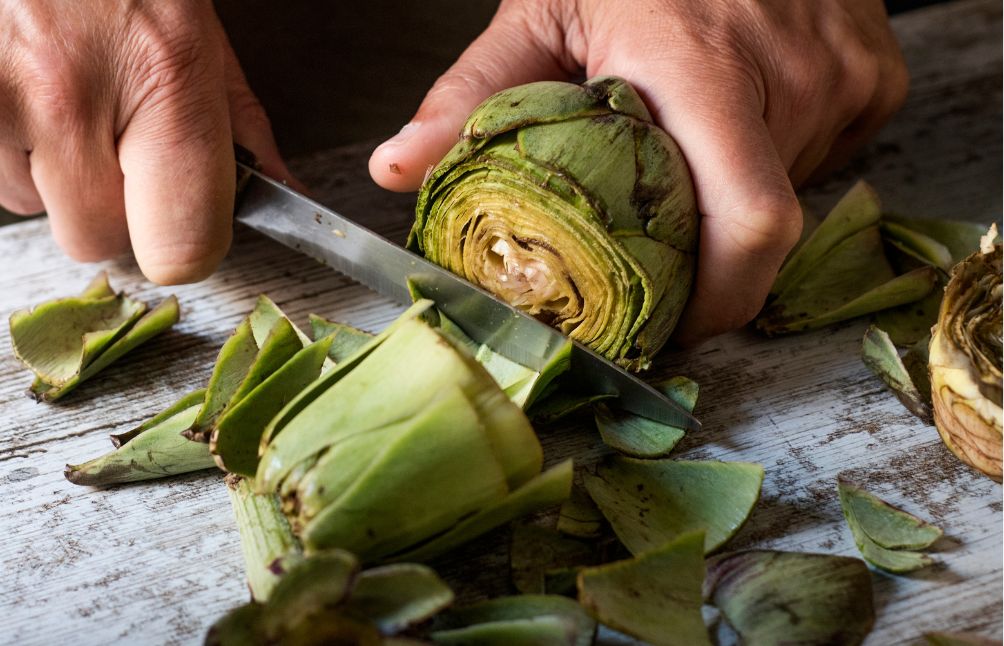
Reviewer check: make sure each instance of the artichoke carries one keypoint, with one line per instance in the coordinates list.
(569, 203)
(965, 361)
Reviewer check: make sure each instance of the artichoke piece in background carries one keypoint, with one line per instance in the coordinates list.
(68, 340)
(655, 596)
(396, 464)
(569, 203)
(792, 598)
(841, 272)
(536, 553)
(965, 360)
(640, 437)
(526, 619)
(650, 502)
(885, 535)
(882, 358)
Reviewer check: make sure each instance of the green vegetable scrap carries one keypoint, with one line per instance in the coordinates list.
(792, 598)
(68, 340)
(569, 203)
(345, 339)
(655, 596)
(435, 457)
(541, 559)
(526, 619)
(841, 272)
(579, 516)
(882, 358)
(650, 502)
(886, 536)
(640, 437)
(326, 599)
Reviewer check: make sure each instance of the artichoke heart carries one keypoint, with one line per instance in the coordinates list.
(965, 361)
(569, 203)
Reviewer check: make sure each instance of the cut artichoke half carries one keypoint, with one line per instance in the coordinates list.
(68, 340)
(569, 203)
(965, 361)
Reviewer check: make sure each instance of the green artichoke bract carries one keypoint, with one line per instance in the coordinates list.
(402, 464)
(569, 203)
(965, 361)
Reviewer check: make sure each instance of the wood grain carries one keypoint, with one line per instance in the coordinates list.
(157, 562)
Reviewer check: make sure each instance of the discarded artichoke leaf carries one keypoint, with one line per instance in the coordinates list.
(281, 344)
(966, 361)
(99, 287)
(568, 202)
(857, 210)
(579, 516)
(915, 361)
(158, 451)
(237, 433)
(882, 358)
(563, 400)
(655, 596)
(330, 378)
(650, 502)
(326, 628)
(194, 398)
(545, 490)
(323, 580)
(542, 630)
(918, 245)
(960, 238)
(399, 596)
(885, 535)
(909, 323)
(265, 536)
(793, 598)
(345, 339)
(886, 525)
(958, 639)
(242, 626)
(640, 437)
(521, 608)
(534, 551)
(263, 318)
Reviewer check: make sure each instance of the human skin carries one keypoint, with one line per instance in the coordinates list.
(118, 118)
(761, 95)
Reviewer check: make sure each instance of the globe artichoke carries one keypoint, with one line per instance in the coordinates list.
(569, 203)
(965, 361)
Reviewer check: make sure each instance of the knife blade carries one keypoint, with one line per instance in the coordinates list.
(300, 223)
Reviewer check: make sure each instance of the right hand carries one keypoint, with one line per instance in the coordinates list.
(118, 119)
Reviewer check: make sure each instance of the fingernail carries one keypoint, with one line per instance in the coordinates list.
(403, 136)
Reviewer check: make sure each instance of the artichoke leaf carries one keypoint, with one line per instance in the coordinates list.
(640, 437)
(345, 339)
(789, 597)
(882, 358)
(917, 245)
(960, 238)
(398, 596)
(541, 619)
(323, 580)
(158, 451)
(232, 365)
(579, 516)
(536, 551)
(194, 398)
(650, 502)
(884, 534)
(655, 596)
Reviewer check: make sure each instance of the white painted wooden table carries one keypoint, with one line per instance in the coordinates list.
(155, 563)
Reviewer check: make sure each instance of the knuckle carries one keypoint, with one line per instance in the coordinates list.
(771, 226)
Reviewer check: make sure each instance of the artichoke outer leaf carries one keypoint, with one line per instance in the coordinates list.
(857, 210)
(918, 245)
(650, 502)
(535, 551)
(655, 596)
(547, 489)
(790, 597)
(281, 344)
(885, 535)
(194, 398)
(345, 339)
(577, 626)
(639, 437)
(241, 626)
(579, 516)
(542, 630)
(398, 596)
(236, 435)
(321, 581)
(232, 364)
(960, 238)
(882, 358)
(158, 451)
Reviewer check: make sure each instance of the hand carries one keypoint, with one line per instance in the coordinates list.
(118, 118)
(758, 94)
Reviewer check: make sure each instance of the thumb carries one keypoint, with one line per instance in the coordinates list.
(508, 53)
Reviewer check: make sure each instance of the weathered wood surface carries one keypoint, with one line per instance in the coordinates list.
(156, 563)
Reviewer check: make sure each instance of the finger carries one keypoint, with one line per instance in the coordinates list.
(750, 216)
(508, 53)
(177, 158)
(17, 189)
(77, 176)
(251, 126)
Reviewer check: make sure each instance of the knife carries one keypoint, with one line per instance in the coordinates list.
(300, 223)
